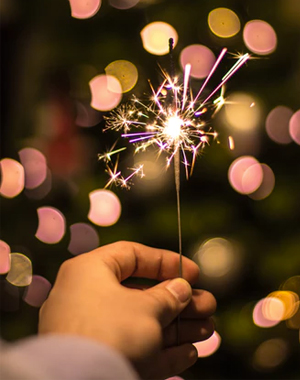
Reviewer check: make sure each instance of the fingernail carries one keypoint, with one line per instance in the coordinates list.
(180, 289)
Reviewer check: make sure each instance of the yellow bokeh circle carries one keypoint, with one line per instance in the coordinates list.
(223, 22)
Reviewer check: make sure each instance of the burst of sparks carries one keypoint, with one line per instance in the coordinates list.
(173, 121)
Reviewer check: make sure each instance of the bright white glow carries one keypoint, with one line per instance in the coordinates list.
(173, 127)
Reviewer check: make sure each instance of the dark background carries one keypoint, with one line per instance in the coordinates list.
(48, 56)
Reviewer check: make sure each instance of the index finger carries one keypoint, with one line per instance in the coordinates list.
(128, 259)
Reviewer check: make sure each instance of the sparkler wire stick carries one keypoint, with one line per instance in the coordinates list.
(177, 187)
(177, 165)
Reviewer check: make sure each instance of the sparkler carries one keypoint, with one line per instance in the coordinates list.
(173, 122)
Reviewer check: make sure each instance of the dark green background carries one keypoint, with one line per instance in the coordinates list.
(43, 51)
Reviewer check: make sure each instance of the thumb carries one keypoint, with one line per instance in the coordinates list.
(169, 298)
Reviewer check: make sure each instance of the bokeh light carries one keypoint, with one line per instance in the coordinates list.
(270, 354)
(289, 300)
(209, 346)
(242, 111)
(277, 124)
(201, 59)
(20, 273)
(84, 238)
(245, 174)
(35, 166)
(292, 284)
(216, 257)
(294, 127)
(41, 191)
(105, 207)
(268, 312)
(106, 92)
(84, 9)
(260, 37)
(52, 225)
(13, 178)
(267, 185)
(37, 292)
(294, 321)
(86, 116)
(123, 4)
(155, 175)
(4, 257)
(223, 22)
(155, 37)
(125, 72)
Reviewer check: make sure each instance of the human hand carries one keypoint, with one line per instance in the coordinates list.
(89, 300)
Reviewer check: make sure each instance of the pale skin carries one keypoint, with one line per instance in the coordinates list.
(88, 299)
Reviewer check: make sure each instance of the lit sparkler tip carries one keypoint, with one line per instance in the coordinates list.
(107, 156)
(231, 142)
(175, 127)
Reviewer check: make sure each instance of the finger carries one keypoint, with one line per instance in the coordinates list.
(202, 305)
(188, 332)
(170, 362)
(167, 300)
(127, 259)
